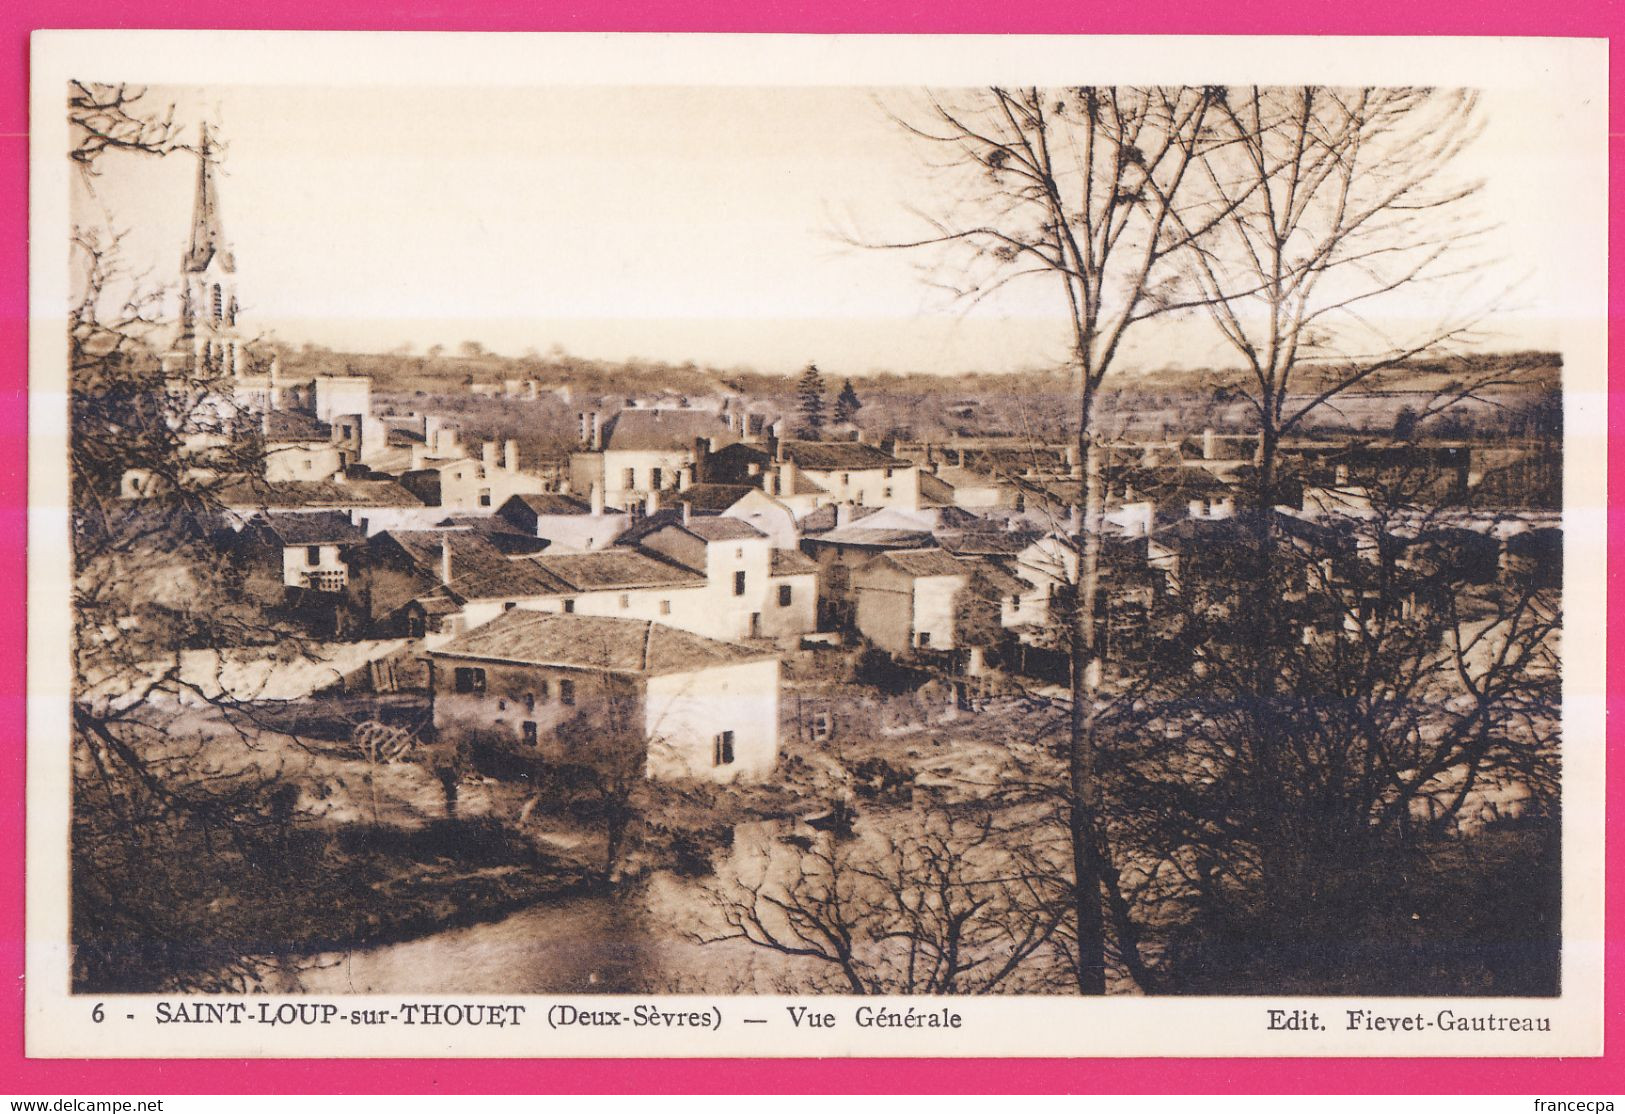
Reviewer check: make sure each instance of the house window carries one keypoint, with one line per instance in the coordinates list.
(546, 690)
(886, 494)
(823, 727)
(567, 692)
(470, 680)
(530, 701)
(509, 605)
(844, 479)
(739, 583)
(626, 601)
(655, 476)
(528, 730)
(485, 497)
(665, 607)
(629, 479)
(219, 302)
(722, 749)
(569, 607)
(925, 638)
(888, 473)
(739, 552)
(309, 465)
(785, 595)
(313, 554)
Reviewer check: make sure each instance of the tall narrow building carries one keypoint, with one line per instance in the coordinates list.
(208, 338)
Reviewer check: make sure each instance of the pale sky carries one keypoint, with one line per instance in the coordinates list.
(670, 223)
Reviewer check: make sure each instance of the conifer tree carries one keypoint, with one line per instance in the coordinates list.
(847, 404)
(810, 391)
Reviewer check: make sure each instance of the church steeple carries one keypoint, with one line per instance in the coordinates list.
(209, 279)
(208, 232)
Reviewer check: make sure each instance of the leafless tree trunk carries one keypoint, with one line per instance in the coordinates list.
(1082, 188)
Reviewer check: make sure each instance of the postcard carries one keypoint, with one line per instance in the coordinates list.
(606, 545)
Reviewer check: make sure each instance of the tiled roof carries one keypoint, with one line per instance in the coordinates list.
(295, 425)
(996, 580)
(648, 524)
(791, 562)
(312, 528)
(625, 646)
(480, 577)
(482, 523)
(985, 542)
(550, 503)
(824, 518)
(833, 456)
(481, 569)
(607, 569)
(925, 562)
(717, 528)
(713, 497)
(880, 539)
(351, 493)
(661, 429)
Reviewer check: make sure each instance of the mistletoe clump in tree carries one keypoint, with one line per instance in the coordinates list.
(810, 396)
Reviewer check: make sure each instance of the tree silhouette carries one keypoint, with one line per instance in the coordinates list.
(810, 402)
(847, 404)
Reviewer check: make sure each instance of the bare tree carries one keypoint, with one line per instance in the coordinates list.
(935, 902)
(158, 610)
(1082, 188)
(1414, 692)
(1330, 217)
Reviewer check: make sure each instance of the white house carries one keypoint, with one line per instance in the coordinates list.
(569, 523)
(909, 599)
(849, 472)
(753, 590)
(640, 451)
(696, 707)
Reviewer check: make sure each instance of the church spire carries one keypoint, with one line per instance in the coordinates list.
(208, 233)
(208, 339)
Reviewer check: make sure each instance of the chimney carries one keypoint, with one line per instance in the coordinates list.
(651, 502)
(1074, 520)
(596, 498)
(597, 432)
(787, 477)
(584, 425)
(265, 422)
(445, 560)
(488, 456)
(843, 514)
(685, 478)
(510, 455)
(1208, 451)
(688, 511)
(420, 456)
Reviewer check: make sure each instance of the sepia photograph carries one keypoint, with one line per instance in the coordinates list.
(1071, 538)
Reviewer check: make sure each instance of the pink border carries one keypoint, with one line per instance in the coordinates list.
(1590, 18)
